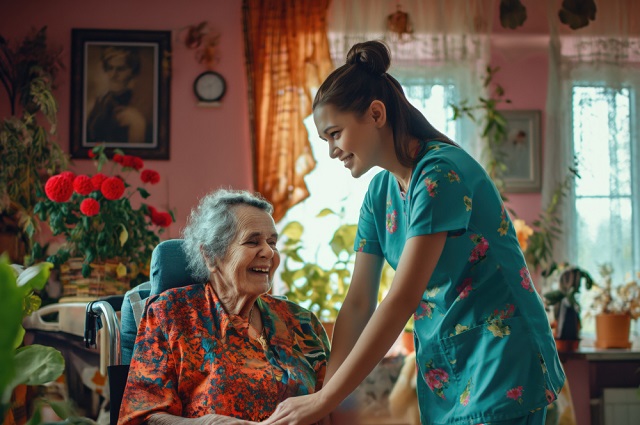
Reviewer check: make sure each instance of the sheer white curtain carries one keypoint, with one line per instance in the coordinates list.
(591, 110)
(449, 45)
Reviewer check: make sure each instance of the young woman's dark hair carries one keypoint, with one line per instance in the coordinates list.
(363, 79)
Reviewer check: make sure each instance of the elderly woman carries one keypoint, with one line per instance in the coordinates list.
(225, 352)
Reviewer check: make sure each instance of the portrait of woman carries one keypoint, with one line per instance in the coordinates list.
(120, 95)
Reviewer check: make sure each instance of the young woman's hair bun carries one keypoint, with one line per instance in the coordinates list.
(373, 56)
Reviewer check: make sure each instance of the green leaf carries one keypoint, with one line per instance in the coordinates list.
(34, 277)
(37, 364)
(293, 230)
(554, 297)
(325, 212)
(11, 319)
(124, 235)
(143, 192)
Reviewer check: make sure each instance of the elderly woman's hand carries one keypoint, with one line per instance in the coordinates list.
(214, 419)
(302, 410)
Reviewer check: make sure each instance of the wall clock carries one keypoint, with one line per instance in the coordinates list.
(209, 87)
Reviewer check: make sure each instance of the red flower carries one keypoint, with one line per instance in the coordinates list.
(132, 162)
(91, 154)
(117, 158)
(162, 219)
(58, 188)
(112, 188)
(150, 176)
(82, 184)
(138, 164)
(97, 180)
(152, 210)
(90, 207)
(68, 175)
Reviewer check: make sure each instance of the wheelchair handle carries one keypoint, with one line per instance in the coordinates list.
(93, 322)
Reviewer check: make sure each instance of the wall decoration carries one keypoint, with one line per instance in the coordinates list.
(120, 91)
(521, 151)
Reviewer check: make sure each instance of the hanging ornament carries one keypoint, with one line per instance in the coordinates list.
(399, 23)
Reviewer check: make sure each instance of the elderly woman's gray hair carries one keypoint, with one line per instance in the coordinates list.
(212, 226)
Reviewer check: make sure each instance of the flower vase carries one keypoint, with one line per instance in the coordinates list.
(612, 331)
(106, 278)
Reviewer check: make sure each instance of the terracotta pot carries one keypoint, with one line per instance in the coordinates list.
(612, 331)
(567, 345)
(328, 327)
(407, 342)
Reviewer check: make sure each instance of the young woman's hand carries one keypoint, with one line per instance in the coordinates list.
(303, 410)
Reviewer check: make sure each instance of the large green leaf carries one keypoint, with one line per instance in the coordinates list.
(10, 320)
(37, 364)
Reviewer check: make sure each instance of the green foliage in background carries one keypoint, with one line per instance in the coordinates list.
(32, 364)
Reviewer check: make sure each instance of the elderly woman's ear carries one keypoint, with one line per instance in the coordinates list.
(211, 265)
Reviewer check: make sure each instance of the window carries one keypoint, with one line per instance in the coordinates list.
(605, 228)
(331, 185)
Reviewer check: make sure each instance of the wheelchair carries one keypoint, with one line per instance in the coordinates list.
(168, 270)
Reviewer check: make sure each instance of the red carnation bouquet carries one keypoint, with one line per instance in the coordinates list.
(95, 214)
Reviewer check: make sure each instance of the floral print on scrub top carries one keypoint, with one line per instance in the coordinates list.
(485, 351)
(192, 358)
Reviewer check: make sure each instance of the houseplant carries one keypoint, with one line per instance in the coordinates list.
(315, 286)
(566, 309)
(493, 125)
(28, 150)
(321, 286)
(28, 365)
(614, 308)
(106, 236)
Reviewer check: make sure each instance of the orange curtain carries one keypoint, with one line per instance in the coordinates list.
(287, 53)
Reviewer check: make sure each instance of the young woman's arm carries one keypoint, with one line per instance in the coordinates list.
(417, 263)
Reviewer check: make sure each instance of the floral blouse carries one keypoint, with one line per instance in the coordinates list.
(485, 351)
(192, 358)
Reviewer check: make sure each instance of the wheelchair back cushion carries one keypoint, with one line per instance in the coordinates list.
(132, 309)
(168, 270)
(169, 267)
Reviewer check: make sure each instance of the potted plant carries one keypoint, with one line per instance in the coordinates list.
(320, 288)
(108, 240)
(614, 308)
(407, 337)
(566, 309)
(28, 151)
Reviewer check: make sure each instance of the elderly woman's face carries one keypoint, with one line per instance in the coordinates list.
(252, 257)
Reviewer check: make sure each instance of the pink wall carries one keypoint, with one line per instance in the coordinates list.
(521, 55)
(210, 147)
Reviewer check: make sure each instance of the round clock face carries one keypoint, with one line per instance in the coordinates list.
(209, 86)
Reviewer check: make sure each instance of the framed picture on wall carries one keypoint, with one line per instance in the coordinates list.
(120, 91)
(521, 151)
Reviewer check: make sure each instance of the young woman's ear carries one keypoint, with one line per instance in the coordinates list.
(378, 113)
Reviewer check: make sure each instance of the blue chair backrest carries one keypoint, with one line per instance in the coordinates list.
(168, 270)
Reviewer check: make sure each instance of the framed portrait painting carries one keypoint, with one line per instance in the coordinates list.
(521, 151)
(120, 91)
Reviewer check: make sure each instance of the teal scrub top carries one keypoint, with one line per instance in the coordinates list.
(484, 347)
